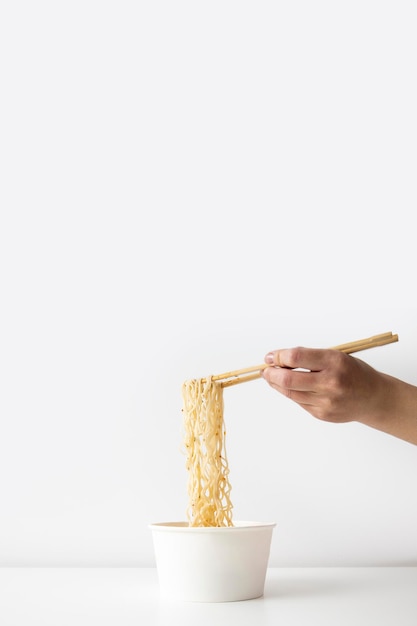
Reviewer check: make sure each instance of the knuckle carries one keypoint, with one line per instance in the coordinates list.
(293, 356)
(286, 377)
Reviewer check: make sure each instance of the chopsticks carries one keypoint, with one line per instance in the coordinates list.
(251, 373)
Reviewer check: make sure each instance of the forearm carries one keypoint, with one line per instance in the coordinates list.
(396, 411)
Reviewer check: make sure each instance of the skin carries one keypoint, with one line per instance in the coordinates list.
(338, 387)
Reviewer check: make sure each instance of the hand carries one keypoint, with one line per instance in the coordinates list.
(338, 387)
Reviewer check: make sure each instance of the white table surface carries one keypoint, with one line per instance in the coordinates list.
(368, 596)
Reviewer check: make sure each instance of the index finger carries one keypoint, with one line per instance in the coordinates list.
(313, 359)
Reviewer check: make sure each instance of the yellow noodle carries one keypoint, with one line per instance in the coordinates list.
(208, 484)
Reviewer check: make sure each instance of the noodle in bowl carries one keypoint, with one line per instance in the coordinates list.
(212, 564)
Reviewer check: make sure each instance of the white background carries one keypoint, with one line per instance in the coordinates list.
(184, 187)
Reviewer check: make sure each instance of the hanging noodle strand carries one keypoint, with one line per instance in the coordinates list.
(208, 484)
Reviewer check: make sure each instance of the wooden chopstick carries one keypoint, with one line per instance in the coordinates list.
(236, 377)
(365, 346)
(375, 340)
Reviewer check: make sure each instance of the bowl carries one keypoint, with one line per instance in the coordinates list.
(212, 564)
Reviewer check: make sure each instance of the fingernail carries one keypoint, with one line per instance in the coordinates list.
(269, 359)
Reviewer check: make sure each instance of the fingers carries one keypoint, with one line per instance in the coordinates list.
(299, 369)
(302, 358)
(288, 381)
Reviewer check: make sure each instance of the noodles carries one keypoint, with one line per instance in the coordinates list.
(208, 484)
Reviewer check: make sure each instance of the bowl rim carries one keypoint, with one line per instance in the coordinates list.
(183, 526)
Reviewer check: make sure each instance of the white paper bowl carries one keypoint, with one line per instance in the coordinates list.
(210, 564)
